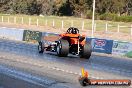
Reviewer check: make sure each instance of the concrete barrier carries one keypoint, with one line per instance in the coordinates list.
(122, 48)
(11, 33)
(32, 36)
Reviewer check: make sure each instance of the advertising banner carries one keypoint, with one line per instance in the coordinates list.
(122, 48)
(32, 36)
(101, 45)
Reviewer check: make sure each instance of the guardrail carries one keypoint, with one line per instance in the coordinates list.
(98, 45)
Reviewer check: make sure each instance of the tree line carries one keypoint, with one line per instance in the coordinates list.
(79, 8)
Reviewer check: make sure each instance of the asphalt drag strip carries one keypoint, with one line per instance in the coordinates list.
(12, 78)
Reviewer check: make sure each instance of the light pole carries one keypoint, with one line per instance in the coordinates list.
(93, 18)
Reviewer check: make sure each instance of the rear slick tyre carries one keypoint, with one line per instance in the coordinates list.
(87, 50)
(63, 48)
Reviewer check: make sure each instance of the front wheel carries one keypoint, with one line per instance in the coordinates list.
(86, 51)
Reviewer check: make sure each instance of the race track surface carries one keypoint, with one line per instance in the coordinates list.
(22, 60)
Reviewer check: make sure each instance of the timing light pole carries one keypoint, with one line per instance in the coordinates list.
(93, 18)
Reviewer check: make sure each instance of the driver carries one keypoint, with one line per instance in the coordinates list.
(73, 30)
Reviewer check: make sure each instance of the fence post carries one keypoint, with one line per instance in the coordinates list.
(46, 22)
(22, 20)
(131, 30)
(37, 22)
(71, 23)
(8, 20)
(94, 27)
(118, 30)
(62, 24)
(83, 25)
(53, 23)
(14, 19)
(29, 21)
(2, 19)
(106, 27)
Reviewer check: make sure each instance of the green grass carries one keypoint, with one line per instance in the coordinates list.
(77, 22)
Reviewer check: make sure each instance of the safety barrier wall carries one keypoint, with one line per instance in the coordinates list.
(101, 45)
(13, 34)
(122, 48)
(32, 36)
(98, 45)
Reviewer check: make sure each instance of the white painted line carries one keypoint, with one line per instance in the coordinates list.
(76, 73)
(52, 68)
(67, 71)
(71, 72)
(30, 63)
(35, 64)
(57, 69)
(2, 56)
(93, 77)
(62, 70)
(24, 76)
(40, 65)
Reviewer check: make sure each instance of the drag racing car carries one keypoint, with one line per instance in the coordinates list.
(70, 42)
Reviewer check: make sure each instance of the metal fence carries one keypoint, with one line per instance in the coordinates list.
(68, 23)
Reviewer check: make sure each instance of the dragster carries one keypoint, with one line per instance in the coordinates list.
(70, 42)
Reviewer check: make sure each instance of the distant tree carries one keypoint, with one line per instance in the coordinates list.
(128, 7)
(4, 5)
(80, 7)
(66, 7)
(47, 7)
(30, 7)
(20, 6)
(34, 7)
